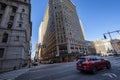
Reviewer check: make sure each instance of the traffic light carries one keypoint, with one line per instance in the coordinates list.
(105, 37)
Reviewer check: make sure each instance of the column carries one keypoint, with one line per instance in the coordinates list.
(5, 16)
(16, 18)
(57, 51)
(68, 48)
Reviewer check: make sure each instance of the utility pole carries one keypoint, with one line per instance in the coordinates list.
(109, 33)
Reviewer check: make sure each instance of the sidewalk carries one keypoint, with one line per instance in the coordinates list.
(13, 74)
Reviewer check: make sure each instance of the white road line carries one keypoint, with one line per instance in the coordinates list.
(106, 74)
(111, 75)
(114, 75)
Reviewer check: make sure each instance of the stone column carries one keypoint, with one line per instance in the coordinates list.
(16, 18)
(68, 48)
(5, 16)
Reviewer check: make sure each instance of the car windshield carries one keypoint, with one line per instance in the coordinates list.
(81, 60)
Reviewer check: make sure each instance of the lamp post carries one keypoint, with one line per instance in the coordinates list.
(109, 33)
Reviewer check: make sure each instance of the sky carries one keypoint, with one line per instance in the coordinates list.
(97, 16)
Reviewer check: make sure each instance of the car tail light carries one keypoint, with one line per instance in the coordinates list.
(85, 66)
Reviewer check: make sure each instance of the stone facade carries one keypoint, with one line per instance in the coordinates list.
(62, 34)
(103, 46)
(15, 33)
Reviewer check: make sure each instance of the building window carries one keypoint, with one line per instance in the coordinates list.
(5, 37)
(70, 33)
(9, 25)
(3, 6)
(63, 47)
(0, 16)
(23, 10)
(11, 18)
(1, 52)
(21, 17)
(55, 7)
(20, 25)
(17, 38)
(72, 47)
(14, 9)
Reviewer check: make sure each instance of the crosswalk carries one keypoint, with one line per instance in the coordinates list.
(115, 62)
(111, 75)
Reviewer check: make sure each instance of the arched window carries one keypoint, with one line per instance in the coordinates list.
(23, 10)
(10, 24)
(1, 52)
(5, 37)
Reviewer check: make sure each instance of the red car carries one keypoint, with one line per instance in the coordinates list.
(92, 63)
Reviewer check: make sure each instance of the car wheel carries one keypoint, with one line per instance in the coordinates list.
(94, 70)
(108, 66)
(82, 71)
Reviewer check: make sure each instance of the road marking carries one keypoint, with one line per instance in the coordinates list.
(111, 75)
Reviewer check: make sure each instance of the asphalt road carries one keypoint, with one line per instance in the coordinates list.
(67, 71)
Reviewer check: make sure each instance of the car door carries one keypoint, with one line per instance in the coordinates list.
(103, 63)
(98, 63)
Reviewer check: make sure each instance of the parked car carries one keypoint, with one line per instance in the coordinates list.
(47, 62)
(109, 54)
(35, 63)
(92, 63)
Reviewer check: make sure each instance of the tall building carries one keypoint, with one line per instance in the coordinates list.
(62, 37)
(15, 33)
(82, 29)
(40, 33)
(40, 39)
